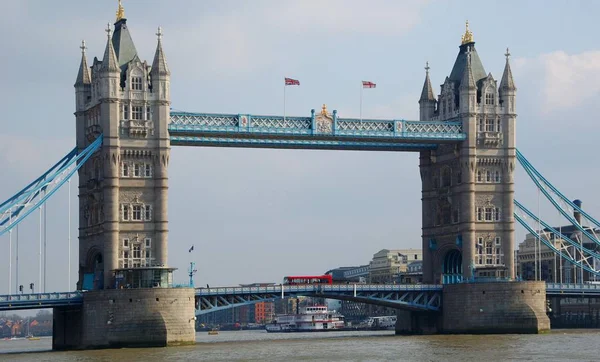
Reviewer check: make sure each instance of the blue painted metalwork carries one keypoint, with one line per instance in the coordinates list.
(572, 290)
(298, 144)
(40, 300)
(245, 130)
(19, 206)
(411, 297)
(542, 184)
(552, 247)
(552, 230)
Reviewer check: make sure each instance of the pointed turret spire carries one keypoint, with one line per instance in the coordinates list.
(83, 77)
(427, 92)
(507, 81)
(468, 82)
(159, 65)
(109, 62)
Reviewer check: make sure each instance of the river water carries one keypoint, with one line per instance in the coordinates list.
(560, 345)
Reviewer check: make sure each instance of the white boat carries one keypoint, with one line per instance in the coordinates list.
(384, 322)
(309, 319)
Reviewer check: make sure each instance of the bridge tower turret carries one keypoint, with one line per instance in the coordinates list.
(123, 188)
(468, 227)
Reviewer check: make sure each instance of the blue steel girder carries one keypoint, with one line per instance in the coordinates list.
(244, 130)
(39, 300)
(409, 297)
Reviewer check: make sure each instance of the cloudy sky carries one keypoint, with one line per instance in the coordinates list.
(257, 215)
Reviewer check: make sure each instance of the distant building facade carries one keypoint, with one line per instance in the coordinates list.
(386, 264)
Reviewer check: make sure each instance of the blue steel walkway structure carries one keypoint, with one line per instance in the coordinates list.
(408, 297)
(245, 130)
(40, 300)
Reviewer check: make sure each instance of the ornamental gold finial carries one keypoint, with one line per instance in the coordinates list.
(468, 37)
(324, 110)
(120, 12)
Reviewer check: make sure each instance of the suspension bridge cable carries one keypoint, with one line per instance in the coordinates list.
(553, 248)
(557, 206)
(528, 166)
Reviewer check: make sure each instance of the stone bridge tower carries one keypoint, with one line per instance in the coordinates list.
(468, 188)
(123, 187)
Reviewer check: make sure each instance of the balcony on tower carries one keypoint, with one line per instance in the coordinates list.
(144, 277)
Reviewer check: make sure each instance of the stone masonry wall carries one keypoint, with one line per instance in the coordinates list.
(136, 318)
(511, 307)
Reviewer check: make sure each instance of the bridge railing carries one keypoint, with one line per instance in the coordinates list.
(189, 123)
(318, 287)
(572, 287)
(40, 297)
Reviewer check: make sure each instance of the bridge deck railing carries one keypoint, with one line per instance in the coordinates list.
(323, 288)
(189, 123)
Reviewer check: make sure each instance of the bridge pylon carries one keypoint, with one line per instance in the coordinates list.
(468, 188)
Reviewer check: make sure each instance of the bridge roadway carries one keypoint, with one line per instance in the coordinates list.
(403, 296)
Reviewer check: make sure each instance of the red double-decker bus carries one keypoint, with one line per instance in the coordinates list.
(310, 279)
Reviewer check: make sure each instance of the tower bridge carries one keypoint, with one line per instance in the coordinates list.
(466, 140)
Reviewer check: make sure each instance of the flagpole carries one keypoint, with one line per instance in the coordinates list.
(361, 92)
(284, 100)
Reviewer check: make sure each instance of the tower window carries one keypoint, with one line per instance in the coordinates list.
(489, 214)
(125, 212)
(489, 125)
(148, 242)
(148, 213)
(125, 242)
(125, 168)
(137, 213)
(497, 177)
(497, 214)
(479, 214)
(124, 111)
(136, 112)
(136, 170)
(480, 124)
(148, 170)
(136, 83)
(478, 176)
(489, 98)
(137, 252)
(488, 176)
(498, 126)
(148, 113)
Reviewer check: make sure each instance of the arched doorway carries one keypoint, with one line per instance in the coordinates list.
(452, 267)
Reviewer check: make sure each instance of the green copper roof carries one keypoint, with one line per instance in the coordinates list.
(461, 63)
(123, 44)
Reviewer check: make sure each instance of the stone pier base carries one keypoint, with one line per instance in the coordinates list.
(483, 308)
(127, 318)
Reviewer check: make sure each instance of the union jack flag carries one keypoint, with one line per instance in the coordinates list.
(290, 81)
(367, 84)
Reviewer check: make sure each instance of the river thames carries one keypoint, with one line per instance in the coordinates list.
(560, 345)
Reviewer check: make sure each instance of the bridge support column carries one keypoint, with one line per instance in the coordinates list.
(411, 322)
(486, 308)
(121, 318)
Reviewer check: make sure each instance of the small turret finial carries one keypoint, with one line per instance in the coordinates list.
(507, 54)
(159, 33)
(427, 67)
(120, 12)
(83, 47)
(108, 30)
(468, 36)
